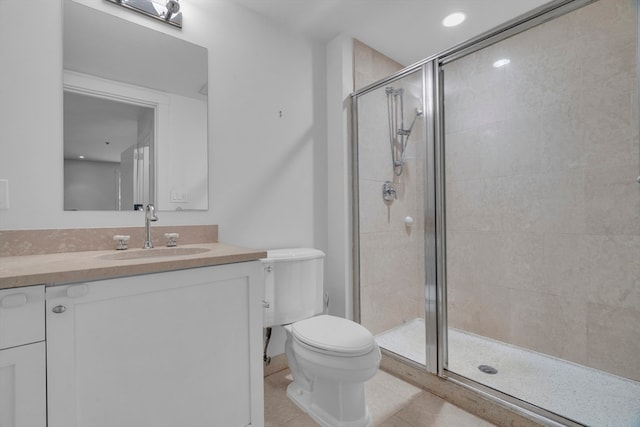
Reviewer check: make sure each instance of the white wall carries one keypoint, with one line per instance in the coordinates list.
(339, 274)
(267, 181)
(90, 185)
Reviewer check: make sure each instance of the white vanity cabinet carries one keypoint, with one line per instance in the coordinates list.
(181, 348)
(22, 358)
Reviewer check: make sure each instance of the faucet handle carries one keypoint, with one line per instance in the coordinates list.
(172, 239)
(122, 241)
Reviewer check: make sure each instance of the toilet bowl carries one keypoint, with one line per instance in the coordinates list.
(329, 372)
(330, 358)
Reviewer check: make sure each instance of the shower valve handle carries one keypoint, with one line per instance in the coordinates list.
(388, 192)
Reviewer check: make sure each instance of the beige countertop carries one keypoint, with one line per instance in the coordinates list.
(70, 267)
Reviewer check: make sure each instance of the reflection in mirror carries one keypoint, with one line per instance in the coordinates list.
(107, 153)
(135, 108)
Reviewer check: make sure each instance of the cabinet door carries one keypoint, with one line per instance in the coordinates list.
(21, 316)
(22, 386)
(171, 349)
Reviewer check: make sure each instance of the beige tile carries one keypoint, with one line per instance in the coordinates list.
(431, 410)
(391, 282)
(384, 66)
(465, 152)
(562, 201)
(565, 264)
(386, 395)
(614, 340)
(515, 201)
(517, 148)
(613, 200)
(558, 67)
(549, 324)
(363, 55)
(467, 208)
(607, 18)
(613, 271)
(565, 27)
(392, 403)
(301, 421)
(370, 65)
(395, 421)
(278, 408)
(563, 145)
(479, 267)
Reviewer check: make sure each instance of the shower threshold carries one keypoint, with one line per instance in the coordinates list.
(578, 392)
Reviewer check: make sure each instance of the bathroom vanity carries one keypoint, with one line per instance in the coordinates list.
(163, 340)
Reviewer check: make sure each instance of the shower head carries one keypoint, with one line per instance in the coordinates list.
(407, 132)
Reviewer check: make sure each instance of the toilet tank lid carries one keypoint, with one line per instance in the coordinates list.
(334, 334)
(292, 254)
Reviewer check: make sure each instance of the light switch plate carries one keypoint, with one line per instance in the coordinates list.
(178, 196)
(4, 194)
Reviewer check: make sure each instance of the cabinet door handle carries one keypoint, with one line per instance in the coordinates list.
(15, 300)
(59, 309)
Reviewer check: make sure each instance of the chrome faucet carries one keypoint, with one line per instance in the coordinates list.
(149, 215)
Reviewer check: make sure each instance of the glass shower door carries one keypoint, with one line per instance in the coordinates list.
(390, 168)
(543, 215)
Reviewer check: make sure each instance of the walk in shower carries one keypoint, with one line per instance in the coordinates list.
(498, 244)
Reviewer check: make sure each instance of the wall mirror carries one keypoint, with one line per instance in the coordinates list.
(135, 115)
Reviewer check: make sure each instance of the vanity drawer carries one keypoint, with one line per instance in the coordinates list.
(21, 316)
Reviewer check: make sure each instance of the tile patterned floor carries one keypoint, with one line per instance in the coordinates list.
(392, 403)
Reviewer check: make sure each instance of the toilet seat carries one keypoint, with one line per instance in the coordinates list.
(333, 335)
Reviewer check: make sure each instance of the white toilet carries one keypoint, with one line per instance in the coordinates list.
(330, 357)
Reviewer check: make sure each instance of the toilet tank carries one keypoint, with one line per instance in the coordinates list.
(293, 285)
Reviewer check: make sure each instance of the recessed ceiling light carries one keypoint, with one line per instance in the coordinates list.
(501, 62)
(81, 157)
(454, 19)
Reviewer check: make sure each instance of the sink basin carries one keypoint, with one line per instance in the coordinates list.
(153, 253)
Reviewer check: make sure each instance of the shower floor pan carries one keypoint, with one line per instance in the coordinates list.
(584, 394)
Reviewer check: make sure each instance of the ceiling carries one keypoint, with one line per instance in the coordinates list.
(407, 31)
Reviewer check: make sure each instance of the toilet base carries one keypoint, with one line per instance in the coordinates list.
(304, 400)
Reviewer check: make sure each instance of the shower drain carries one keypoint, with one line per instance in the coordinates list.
(488, 369)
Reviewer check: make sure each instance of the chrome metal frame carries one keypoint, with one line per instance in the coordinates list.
(355, 211)
(440, 255)
(430, 176)
(154, 10)
(435, 244)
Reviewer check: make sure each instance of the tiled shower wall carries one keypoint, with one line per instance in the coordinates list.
(543, 207)
(391, 253)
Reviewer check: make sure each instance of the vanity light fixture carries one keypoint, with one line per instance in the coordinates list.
(168, 12)
(501, 62)
(454, 19)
